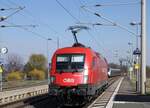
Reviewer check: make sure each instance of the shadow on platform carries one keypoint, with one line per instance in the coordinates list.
(132, 98)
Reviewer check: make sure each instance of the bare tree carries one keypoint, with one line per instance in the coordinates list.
(14, 62)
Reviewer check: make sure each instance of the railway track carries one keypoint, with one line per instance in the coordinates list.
(44, 101)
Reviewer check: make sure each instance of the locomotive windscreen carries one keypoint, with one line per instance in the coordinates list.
(70, 62)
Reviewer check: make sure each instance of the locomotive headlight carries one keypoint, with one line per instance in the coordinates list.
(85, 72)
(85, 79)
(52, 79)
(85, 76)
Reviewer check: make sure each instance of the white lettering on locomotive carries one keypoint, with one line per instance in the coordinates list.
(70, 80)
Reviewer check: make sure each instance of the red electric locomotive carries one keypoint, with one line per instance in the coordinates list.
(77, 73)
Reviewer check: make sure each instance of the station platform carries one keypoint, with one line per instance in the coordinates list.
(127, 97)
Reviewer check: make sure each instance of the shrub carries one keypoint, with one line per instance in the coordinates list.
(37, 74)
(17, 75)
(148, 71)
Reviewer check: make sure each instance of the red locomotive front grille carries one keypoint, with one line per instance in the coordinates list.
(69, 79)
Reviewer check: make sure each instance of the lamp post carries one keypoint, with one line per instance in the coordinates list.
(137, 31)
(128, 59)
(137, 55)
(48, 73)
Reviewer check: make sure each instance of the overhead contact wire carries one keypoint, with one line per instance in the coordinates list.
(67, 11)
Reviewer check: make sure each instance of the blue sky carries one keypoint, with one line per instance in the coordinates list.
(52, 22)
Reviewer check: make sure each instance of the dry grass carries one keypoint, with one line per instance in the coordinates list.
(133, 83)
(22, 83)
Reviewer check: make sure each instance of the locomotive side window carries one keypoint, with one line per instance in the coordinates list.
(70, 62)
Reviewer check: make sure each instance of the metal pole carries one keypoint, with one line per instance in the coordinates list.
(137, 56)
(138, 59)
(3, 50)
(131, 60)
(138, 73)
(137, 62)
(132, 65)
(57, 42)
(143, 46)
(131, 51)
(1, 82)
(48, 74)
(137, 43)
(132, 47)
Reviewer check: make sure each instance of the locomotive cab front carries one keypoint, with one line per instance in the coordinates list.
(69, 72)
(76, 71)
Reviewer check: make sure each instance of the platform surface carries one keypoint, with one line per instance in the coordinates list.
(128, 98)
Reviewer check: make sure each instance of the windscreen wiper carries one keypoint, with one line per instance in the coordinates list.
(75, 70)
(61, 71)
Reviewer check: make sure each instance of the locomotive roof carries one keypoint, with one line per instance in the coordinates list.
(81, 46)
(78, 48)
(75, 48)
(78, 45)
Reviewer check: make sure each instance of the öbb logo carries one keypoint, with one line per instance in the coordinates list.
(70, 80)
